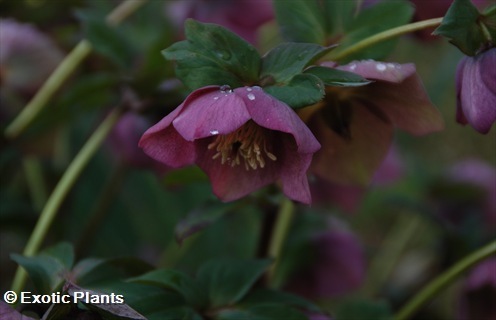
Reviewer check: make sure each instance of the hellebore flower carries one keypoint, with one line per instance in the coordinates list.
(355, 124)
(124, 140)
(481, 175)
(27, 57)
(338, 266)
(479, 293)
(243, 139)
(476, 91)
(243, 17)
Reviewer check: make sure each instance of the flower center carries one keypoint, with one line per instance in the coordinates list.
(246, 145)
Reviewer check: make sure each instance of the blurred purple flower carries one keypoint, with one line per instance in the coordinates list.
(124, 140)
(476, 91)
(355, 124)
(27, 56)
(338, 267)
(479, 174)
(478, 296)
(243, 139)
(391, 169)
(243, 17)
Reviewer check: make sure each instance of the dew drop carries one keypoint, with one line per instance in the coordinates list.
(249, 89)
(251, 96)
(381, 67)
(216, 98)
(214, 132)
(391, 65)
(225, 89)
(352, 67)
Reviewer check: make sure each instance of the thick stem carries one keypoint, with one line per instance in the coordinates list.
(383, 36)
(443, 280)
(279, 235)
(63, 71)
(59, 193)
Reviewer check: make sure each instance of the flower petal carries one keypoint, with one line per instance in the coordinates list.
(270, 113)
(231, 183)
(406, 104)
(164, 144)
(354, 160)
(478, 90)
(377, 70)
(210, 111)
(294, 167)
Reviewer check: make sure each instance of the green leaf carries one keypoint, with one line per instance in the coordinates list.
(338, 16)
(300, 20)
(100, 272)
(213, 55)
(303, 90)
(183, 313)
(227, 281)
(273, 297)
(99, 303)
(364, 309)
(49, 268)
(265, 312)
(176, 281)
(184, 176)
(289, 59)
(460, 26)
(375, 19)
(337, 78)
(200, 218)
(107, 40)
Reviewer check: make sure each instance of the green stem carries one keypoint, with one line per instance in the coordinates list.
(279, 235)
(58, 195)
(383, 36)
(36, 183)
(63, 71)
(443, 280)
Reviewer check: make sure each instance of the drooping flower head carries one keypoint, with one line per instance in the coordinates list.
(355, 124)
(27, 56)
(243, 139)
(476, 90)
(477, 297)
(337, 268)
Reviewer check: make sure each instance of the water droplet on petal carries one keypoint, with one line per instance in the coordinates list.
(214, 132)
(216, 98)
(380, 67)
(352, 67)
(225, 89)
(257, 87)
(251, 96)
(249, 89)
(391, 65)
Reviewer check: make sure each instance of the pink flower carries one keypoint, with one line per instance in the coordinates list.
(355, 124)
(479, 293)
(243, 139)
(476, 91)
(27, 57)
(337, 268)
(243, 17)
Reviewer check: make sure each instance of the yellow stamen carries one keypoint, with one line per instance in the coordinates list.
(246, 144)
